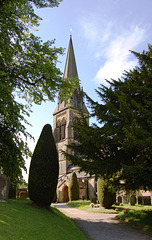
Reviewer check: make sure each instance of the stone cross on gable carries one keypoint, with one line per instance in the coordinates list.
(4, 188)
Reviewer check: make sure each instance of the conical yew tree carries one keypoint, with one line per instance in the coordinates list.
(73, 188)
(44, 169)
(106, 193)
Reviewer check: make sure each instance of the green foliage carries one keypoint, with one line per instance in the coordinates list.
(119, 145)
(106, 193)
(11, 141)
(44, 169)
(27, 71)
(73, 187)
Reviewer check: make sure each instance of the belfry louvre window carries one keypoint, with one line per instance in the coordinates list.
(63, 125)
(58, 130)
(61, 129)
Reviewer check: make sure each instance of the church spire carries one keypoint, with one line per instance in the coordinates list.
(70, 70)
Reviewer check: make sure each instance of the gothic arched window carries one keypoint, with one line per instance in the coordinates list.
(58, 130)
(61, 129)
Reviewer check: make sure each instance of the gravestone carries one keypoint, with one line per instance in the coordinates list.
(119, 199)
(147, 200)
(4, 188)
(133, 200)
(125, 200)
(140, 200)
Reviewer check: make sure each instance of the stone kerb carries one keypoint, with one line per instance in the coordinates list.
(4, 188)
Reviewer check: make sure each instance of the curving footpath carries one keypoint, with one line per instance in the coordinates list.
(99, 226)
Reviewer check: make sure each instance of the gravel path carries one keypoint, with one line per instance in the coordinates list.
(99, 226)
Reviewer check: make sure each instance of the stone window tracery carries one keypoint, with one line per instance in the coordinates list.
(61, 129)
(58, 130)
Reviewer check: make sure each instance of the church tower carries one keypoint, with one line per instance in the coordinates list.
(65, 113)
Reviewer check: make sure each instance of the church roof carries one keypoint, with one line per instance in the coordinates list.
(70, 70)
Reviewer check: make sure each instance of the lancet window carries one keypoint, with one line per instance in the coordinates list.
(61, 129)
(63, 124)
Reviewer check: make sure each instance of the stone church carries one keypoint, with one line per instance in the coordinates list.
(63, 117)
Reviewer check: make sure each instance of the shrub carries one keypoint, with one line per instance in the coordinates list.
(106, 194)
(44, 169)
(73, 188)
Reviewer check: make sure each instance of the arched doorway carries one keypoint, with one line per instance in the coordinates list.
(65, 193)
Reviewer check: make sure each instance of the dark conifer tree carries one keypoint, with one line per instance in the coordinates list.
(44, 169)
(120, 144)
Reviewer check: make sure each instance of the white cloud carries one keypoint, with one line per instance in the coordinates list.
(95, 33)
(111, 43)
(118, 55)
(90, 30)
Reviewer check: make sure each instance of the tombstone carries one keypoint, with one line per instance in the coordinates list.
(147, 200)
(4, 188)
(140, 200)
(119, 199)
(133, 200)
(125, 200)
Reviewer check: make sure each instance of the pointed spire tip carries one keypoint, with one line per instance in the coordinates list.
(70, 32)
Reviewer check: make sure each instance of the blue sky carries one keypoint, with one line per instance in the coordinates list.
(103, 32)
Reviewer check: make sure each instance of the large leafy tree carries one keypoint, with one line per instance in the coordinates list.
(27, 71)
(119, 146)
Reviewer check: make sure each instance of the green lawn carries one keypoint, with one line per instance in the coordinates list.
(79, 204)
(85, 205)
(139, 215)
(21, 220)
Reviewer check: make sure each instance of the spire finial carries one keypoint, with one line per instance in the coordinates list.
(70, 70)
(70, 32)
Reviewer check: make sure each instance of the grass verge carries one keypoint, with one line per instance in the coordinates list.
(85, 205)
(21, 220)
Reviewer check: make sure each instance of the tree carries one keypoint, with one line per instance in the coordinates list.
(73, 188)
(44, 169)
(106, 193)
(120, 145)
(27, 71)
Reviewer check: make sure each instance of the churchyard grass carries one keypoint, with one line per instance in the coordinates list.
(21, 220)
(138, 215)
(85, 205)
(79, 204)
